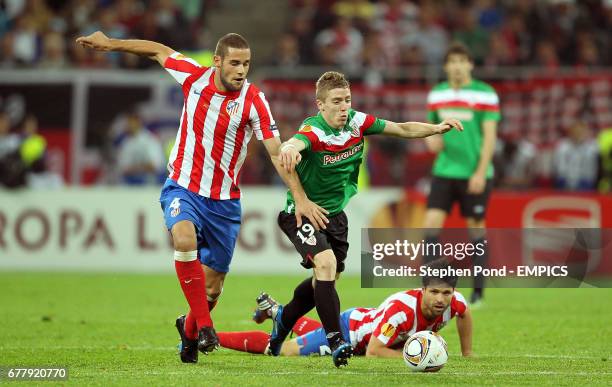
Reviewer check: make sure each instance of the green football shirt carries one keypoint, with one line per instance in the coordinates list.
(330, 163)
(472, 104)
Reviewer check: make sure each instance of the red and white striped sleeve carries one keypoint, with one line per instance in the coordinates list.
(261, 117)
(395, 319)
(458, 305)
(181, 67)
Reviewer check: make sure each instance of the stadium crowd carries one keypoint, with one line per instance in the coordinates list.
(348, 33)
(353, 36)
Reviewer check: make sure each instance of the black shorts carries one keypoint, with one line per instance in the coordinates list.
(310, 242)
(445, 191)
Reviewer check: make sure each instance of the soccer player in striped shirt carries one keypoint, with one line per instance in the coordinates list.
(462, 171)
(201, 197)
(326, 152)
(374, 332)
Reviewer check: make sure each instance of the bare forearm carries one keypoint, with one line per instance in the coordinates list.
(418, 129)
(153, 50)
(464, 329)
(291, 180)
(488, 147)
(384, 352)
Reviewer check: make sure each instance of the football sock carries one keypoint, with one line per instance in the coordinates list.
(191, 278)
(480, 260)
(191, 327)
(247, 341)
(304, 325)
(302, 302)
(428, 255)
(211, 305)
(328, 310)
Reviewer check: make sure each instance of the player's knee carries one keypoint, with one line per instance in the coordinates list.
(434, 218)
(184, 242)
(325, 266)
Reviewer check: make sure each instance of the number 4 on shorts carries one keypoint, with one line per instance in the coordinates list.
(175, 205)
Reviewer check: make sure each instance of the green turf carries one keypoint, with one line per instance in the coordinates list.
(118, 329)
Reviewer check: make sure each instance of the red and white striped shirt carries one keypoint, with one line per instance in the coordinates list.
(398, 317)
(215, 129)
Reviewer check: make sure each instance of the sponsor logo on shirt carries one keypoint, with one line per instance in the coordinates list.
(460, 114)
(332, 159)
(306, 129)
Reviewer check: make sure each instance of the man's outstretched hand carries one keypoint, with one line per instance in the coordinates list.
(98, 41)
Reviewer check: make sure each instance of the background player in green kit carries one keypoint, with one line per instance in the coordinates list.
(462, 171)
(326, 153)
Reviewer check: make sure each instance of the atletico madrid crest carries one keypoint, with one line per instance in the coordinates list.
(232, 107)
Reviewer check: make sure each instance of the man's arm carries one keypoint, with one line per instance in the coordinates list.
(419, 129)
(153, 50)
(376, 348)
(303, 205)
(476, 184)
(464, 329)
(434, 143)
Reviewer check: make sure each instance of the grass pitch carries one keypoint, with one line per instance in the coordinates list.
(119, 329)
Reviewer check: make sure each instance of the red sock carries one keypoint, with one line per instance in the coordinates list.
(191, 327)
(192, 280)
(248, 341)
(212, 304)
(304, 325)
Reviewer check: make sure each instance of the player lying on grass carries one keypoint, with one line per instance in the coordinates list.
(374, 332)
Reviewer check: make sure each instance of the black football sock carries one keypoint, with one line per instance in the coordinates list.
(328, 308)
(480, 260)
(302, 302)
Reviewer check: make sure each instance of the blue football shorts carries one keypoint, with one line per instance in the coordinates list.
(217, 222)
(315, 342)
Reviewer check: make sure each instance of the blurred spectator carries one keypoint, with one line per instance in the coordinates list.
(499, 52)
(490, 15)
(25, 41)
(33, 145)
(340, 45)
(360, 12)
(576, 160)
(287, 55)
(12, 168)
(429, 37)
(516, 163)
(33, 151)
(54, 51)
(605, 149)
(546, 56)
(472, 35)
(140, 156)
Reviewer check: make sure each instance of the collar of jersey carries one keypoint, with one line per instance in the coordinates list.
(327, 127)
(213, 87)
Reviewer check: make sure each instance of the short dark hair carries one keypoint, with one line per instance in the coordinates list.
(328, 81)
(448, 279)
(457, 48)
(232, 40)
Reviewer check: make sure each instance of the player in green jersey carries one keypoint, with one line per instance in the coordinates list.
(462, 171)
(326, 154)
